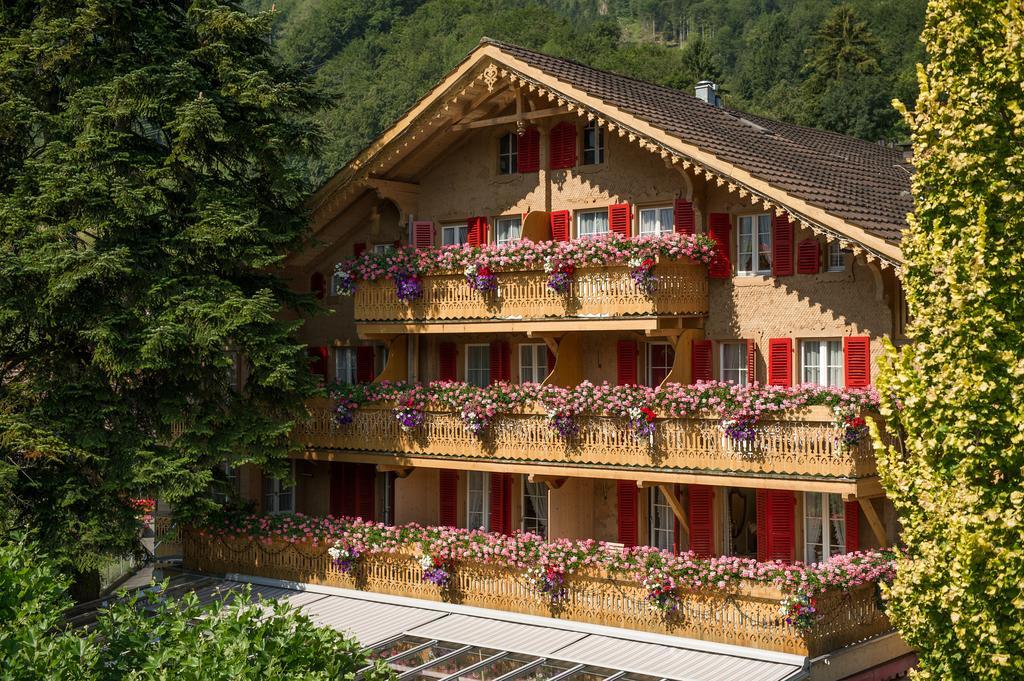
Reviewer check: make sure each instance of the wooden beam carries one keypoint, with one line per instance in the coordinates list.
(538, 326)
(677, 506)
(508, 118)
(552, 481)
(399, 471)
(877, 527)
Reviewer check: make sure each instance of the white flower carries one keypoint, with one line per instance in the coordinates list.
(426, 562)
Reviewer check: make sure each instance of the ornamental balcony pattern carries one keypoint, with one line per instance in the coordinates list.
(749, 616)
(595, 293)
(807, 444)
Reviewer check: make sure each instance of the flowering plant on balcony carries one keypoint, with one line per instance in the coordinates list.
(740, 430)
(435, 570)
(799, 611)
(548, 580)
(408, 286)
(476, 418)
(481, 278)
(662, 593)
(856, 429)
(344, 411)
(560, 273)
(410, 414)
(642, 273)
(564, 423)
(642, 422)
(345, 555)
(344, 281)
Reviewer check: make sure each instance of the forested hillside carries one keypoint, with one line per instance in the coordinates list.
(813, 62)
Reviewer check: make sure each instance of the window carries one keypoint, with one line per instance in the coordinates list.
(593, 144)
(660, 357)
(278, 495)
(821, 362)
(733, 362)
(656, 220)
(453, 235)
(661, 521)
(478, 501)
(385, 498)
(533, 362)
(345, 365)
(535, 507)
(836, 257)
(591, 222)
(754, 248)
(383, 248)
(478, 365)
(507, 229)
(225, 481)
(824, 526)
(508, 154)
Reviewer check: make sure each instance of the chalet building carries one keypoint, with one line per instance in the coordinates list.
(803, 288)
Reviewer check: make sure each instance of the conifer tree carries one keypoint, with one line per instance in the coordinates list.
(149, 187)
(955, 394)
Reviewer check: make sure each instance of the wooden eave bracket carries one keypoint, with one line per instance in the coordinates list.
(673, 501)
(399, 471)
(877, 527)
(552, 481)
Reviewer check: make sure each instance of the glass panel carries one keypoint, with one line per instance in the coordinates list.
(745, 246)
(592, 222)
(404, 663)
(592, 674)
(507, 229)
(810, 361)
(498, 668)
(478, 369)
(734, 362)
(639, 677)
(764, 244)
(535, 507)
(812, 527)
(545, 671)
(526, 373)
(835, 362)
(837, 524)
(648, 221)
(836, 259)
(386, 650)
(663, 521)
(477, 515)
(453, 665)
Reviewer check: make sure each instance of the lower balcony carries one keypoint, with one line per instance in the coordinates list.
(808, 444)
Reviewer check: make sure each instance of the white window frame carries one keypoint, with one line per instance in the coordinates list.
(273, 490)
(664, 220)
(219, 496)
(737, 375)
(384, 497)
(660, 537)
(759, 226)
(649, 362)
(536, 369)
(836, 259)
(823, 366)
(485, 371)
(345, 366)
(454, 234)
(828, 523)
(596, 149)
(484, 480)
(506, 224)
(580, 215)
(511, 156)
(532, 523)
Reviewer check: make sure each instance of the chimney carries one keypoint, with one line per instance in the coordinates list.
(707, 91)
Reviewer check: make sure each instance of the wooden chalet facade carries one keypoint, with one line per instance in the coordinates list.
(513, 144)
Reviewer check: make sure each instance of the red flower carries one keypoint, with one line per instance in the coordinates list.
(648, 414)
(648, 263)
(483, 271)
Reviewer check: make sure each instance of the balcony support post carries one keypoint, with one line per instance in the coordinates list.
(877, 527)
(399, 471)
(677, 506)
(398, 357)
(552, 481)
(682, 365)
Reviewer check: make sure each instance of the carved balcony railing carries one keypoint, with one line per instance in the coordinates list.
(808, 444)
(596, 292)
(748, 616)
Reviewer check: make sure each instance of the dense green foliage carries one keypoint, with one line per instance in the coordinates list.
(957, 479)
(149, 182)
(806, 61)
(154, 636)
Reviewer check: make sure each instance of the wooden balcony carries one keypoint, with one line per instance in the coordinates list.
(748, 616)
(596, 293)
(808, 444)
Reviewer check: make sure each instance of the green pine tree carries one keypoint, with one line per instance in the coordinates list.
(149, 186)
(955, 395)
(843, 46)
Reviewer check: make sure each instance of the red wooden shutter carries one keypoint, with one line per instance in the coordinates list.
(779, 514)
(563, 146)
(719, 227)
(852, 509)
(476, 232)
(762, 524)
(358, 249)
(751, 362)
(449, 498)
(700, 361)
(619, 219)
(702, 539)
(500, 512)
(500, 361)
(857, 361)
(627, 496)
(318, 284)
(342, 493)
(808, 256)
(780, 361)
(364, 364)
(423, 234)
(366, 484)
(560, 225)
(318, 360)
(446, 361)
(782, 245)
(529, 150)
(626, 362)
(684, 219)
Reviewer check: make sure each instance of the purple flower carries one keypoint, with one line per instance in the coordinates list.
(345, 412)
(410, 418)
(408, 287)
(564, 424)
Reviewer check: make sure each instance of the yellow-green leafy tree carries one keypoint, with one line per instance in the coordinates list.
(955, 394)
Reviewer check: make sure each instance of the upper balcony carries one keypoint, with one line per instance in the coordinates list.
(603, 280)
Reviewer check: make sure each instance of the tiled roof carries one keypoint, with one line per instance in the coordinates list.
(865, 184)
